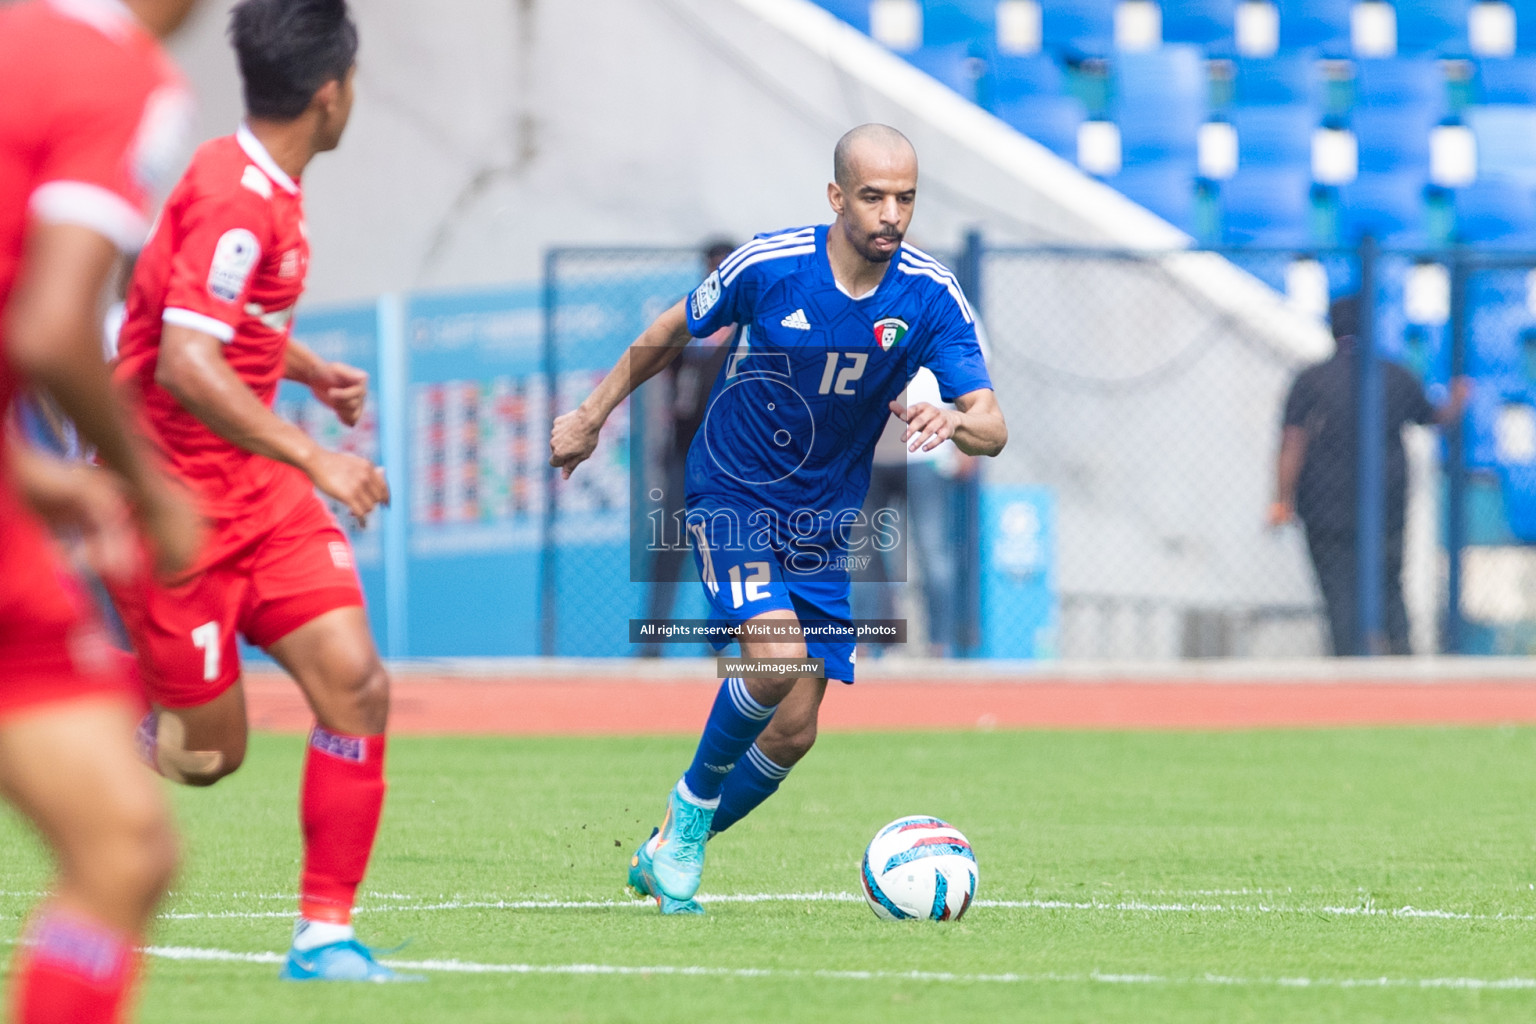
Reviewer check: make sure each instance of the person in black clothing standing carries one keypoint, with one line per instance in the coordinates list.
(1316, 479)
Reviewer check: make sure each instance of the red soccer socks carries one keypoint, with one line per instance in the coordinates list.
(340, 806)
(72, 969)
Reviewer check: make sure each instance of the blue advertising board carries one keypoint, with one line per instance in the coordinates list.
(1020, 607)
(596, 319)
(347, 335)
(476, 451)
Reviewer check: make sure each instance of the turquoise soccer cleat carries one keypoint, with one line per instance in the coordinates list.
(642, 882)
(348, 960)
(670, 906)
(675, 855)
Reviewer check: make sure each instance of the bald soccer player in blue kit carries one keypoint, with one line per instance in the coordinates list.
(835, 319)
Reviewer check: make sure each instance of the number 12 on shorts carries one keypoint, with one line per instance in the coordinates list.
(754, 588)
(206, 639)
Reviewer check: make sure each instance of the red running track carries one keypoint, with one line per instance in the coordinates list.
(609, 705)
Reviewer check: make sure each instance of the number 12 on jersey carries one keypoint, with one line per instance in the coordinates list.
(836, 381)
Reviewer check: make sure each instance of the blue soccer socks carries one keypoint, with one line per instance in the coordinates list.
(734, 723)
(755, 779)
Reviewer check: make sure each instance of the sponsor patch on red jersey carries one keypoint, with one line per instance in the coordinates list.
(234, 258)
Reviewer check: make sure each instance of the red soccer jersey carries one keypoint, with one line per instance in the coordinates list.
(227, 258)
(92, 120)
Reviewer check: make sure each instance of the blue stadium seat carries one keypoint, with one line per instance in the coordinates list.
(1432, 26)
(1387, 205)
(1161, 102)
(1207, 22)
(959, 21)
(1167, 189)
(1499, 319)
(1320, 23)
(1011, 77)
(1052, 121)
(1525, 25)
(1509, 80)
(1289, 78)
(854, 12)
(1170, 74)
(1274, 136)
(1154, 134)
(951, 64)
(1496, 210)
(1401, 81)
(1267, 206)
(1517, 484)
(1083, 27)
(1393, 138)
(1506, 141)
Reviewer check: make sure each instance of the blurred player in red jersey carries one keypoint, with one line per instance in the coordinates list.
(91, 123)
(204, 345)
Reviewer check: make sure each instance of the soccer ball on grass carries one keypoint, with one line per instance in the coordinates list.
(919, 867)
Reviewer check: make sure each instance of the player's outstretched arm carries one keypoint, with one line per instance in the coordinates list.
(341, 388)
(192, 368)
(53, 337)
(574, 438)
(975, 424)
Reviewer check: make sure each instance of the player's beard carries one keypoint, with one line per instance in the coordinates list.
(873, 255)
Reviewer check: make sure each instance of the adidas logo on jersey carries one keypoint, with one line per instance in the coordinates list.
(796, 320)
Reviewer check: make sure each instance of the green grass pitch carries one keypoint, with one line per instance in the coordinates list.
(1125, 876)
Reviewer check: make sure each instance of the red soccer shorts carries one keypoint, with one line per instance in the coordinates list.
(281, 565)
(53, 647)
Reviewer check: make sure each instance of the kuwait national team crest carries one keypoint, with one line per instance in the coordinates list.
(889, 332)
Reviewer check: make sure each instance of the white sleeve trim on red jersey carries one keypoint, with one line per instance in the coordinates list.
(198, 322)
(110, 17)
(263, 159)
(94, 207)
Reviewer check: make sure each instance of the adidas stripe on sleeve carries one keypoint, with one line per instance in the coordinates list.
(954, 355)
(724, 297)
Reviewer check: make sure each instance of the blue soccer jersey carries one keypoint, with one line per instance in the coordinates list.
(802, 398)
(779, 469)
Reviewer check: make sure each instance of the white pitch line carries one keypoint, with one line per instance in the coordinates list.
(193, 953)
(1139, 906)
(1367, 909)
(212, 955)
(230, 915)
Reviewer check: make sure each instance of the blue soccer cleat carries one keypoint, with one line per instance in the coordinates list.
(348, 960)
(673, 861)
(642, 882)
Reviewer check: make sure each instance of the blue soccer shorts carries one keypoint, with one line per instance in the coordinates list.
(744, 575)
